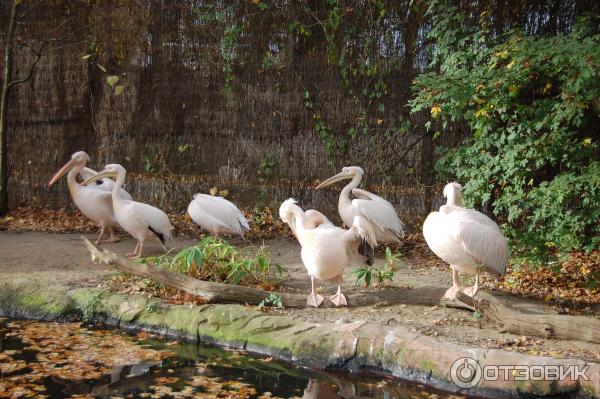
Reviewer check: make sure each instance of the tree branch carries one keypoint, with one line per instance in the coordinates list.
(39, 55)
(26, 13)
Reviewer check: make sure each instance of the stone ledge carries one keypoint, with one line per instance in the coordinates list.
(352, 346)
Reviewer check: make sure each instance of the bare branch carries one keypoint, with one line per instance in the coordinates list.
(26, 13)
(31, 69)
(39, 55)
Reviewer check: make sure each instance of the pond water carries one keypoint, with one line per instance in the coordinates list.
(54, 360)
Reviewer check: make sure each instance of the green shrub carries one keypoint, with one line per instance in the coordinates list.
(530, 109)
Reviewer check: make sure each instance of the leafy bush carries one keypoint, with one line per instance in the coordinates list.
(532, 110)
(214, 259)
(382, 274)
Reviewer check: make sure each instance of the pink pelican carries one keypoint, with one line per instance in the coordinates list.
(95, 202)
(378, 212)
(326, 249)
(141, 220)
(217, 215)
(465, 238)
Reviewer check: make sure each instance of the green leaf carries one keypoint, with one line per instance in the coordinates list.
(368, 276)
(120, 89)
(102, 68)
(476, 316)
(87, 56)
(112, 80)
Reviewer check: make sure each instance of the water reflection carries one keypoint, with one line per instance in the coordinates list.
(65, 360)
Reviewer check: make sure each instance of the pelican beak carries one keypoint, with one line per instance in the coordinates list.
(68, 166)
(98, 176)
(334, 179)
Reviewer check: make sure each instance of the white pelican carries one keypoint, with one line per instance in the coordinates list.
(141, 220)
(378, 212)
(95, 202)
(217, 215)
(465, 238)
(325, 248)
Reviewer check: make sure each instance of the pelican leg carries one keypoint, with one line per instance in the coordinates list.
(99, 240)
(314, 299)
(471, 291)
(338, 298)
(135, 251)
(453, 291)
(139, 255)
(113, 237)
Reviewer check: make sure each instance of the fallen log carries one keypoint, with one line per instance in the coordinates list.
(546, 325)
(212, 292)
(494, 308)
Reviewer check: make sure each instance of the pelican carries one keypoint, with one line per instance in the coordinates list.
(95, 202)
(141, 220)
(325, 248)
(217, 215)
(465, 238)
(378, 212)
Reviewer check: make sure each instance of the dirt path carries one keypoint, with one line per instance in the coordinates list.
(59, 259)
(62, 260)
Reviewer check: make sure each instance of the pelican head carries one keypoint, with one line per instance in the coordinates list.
(348, 172)
(452, 191)
(111, 170)
(80, 158)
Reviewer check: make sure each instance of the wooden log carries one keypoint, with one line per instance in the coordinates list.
(496, 309)
(546, 325)
(212, 292)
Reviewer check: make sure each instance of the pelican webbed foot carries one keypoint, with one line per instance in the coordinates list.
(315, 300)
(338, 299)
(452, 292)
(137, 252)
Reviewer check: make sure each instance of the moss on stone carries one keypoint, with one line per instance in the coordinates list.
(318, 345)
(35, 301)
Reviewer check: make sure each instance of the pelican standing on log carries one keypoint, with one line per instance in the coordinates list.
(95, 202)
(465, 238)
(378, 212)
(217, 215)
(326, 249)
(141, 220)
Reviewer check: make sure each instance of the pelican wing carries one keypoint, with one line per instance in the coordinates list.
(378, 211)
(156, 220)
(211, 212)
(480, 238)
(362, 230)
(105, 184)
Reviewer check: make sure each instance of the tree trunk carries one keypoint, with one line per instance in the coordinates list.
(6, 77)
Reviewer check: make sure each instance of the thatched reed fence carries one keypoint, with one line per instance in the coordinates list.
(260, 98)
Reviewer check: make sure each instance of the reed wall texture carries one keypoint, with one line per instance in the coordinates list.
(261, 98)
